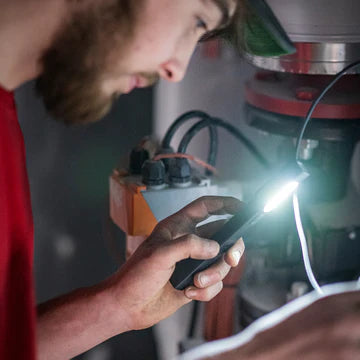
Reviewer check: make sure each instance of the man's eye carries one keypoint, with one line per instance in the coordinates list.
(201, 24)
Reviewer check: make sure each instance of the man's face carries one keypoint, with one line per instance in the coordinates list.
(113, 48)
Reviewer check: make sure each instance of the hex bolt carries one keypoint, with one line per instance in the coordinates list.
(179, 172)
(153, 173)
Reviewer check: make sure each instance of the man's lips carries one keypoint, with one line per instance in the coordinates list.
(142, 82)
(138, 81)
(132, 84)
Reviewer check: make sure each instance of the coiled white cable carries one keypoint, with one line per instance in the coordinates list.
(304, 247)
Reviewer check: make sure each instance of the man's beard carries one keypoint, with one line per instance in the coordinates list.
(75, 65)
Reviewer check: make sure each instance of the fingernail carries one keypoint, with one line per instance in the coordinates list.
(242, 247)
(213, 247)
(190, 293)
(236, 256)
(203, 280)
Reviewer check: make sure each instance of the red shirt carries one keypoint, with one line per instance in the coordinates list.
(17, 309)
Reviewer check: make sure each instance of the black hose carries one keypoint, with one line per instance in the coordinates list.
(180, 121)
(213, 146)
(189, 135)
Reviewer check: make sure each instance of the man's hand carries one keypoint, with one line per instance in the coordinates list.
(139, 294)
(142, 289)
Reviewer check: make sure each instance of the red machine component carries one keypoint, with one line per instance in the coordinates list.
(289, 94)
(219, 312)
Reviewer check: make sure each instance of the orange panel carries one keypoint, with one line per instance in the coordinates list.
(128, 208)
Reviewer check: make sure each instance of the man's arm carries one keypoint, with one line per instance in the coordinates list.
(139, 294)
(76, 322)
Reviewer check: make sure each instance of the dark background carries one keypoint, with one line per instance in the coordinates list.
(76, 244)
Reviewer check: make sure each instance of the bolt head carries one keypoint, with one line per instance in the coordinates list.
(153, 173)
(179, 171)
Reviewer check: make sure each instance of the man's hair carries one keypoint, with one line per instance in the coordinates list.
(234, 31)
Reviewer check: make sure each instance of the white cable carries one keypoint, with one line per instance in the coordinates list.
(304, 247)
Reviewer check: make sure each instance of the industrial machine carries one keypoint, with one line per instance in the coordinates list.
(326, 35)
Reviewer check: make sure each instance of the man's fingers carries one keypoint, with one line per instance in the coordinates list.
(203, 294)
(195, 247)
(185, 220)
(233, 256)
(212, 275)
(191, 246)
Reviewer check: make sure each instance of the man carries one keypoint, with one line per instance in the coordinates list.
(84, 54)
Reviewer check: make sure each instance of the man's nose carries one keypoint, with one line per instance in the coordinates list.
(173, 70)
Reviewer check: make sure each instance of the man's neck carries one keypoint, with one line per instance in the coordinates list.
(27, 28)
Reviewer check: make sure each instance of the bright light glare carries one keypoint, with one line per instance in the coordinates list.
(281, 196)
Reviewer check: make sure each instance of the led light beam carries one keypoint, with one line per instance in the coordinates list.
(284, 193)
(239, 226)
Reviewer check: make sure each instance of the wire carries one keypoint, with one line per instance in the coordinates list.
(190, 134)
(193, 321)
(179, 122)
(316, 103)
(213, 146)
(304, 247)
(299, 226)
(189, 157)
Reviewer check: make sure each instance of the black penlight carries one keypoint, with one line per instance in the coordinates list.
(266, 200)
(238, 226)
